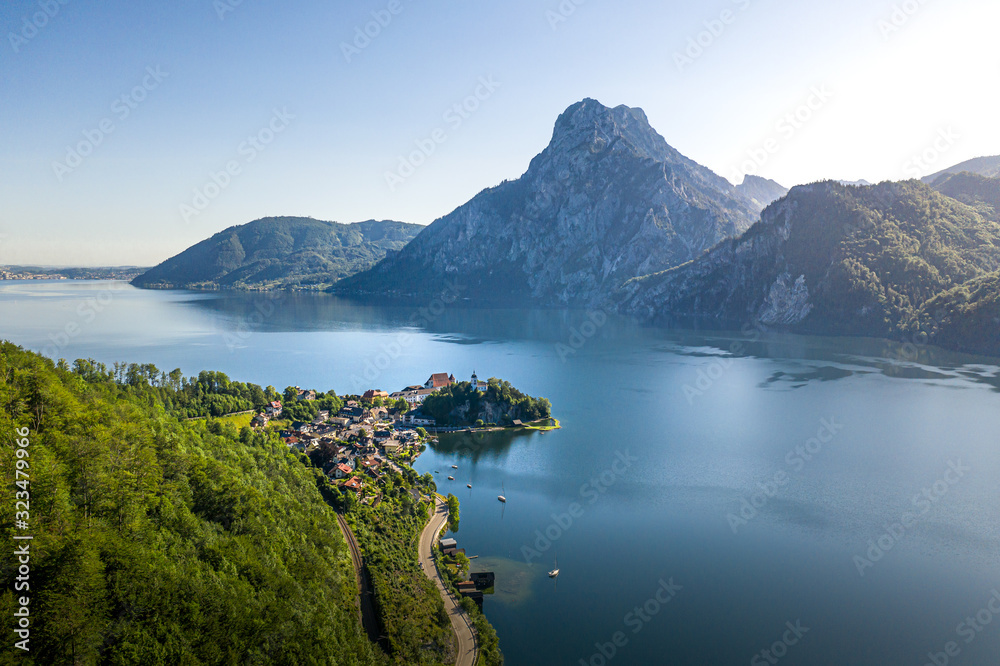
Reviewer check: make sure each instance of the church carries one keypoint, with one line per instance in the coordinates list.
(478, 385)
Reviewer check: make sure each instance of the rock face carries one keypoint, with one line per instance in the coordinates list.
(835, 260)
(280, 252)
(606, 201)
(761, 191)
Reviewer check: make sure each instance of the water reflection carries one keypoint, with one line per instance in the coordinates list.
(824, 373)
(476, 446)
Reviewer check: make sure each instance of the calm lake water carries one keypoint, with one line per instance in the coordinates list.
(699, 501)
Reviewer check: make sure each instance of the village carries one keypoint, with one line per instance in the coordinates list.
(372, 434)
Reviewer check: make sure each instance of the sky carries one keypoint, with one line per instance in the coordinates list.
(134, 129)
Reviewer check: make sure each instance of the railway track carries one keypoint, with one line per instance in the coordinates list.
(366, 605)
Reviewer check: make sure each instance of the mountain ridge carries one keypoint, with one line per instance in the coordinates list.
(988, 166)
(280, 252)
(831, 259)
(606, 200)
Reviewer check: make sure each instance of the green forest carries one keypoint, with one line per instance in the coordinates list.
(163, 541)
(280, 253)
(411, 610)
(209, 394)
(898, 260)
(500, 404)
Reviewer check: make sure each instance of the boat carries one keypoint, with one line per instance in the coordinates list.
(469, 486)
(451, 478)
(555, 572)
(454, 466)
(501, 497)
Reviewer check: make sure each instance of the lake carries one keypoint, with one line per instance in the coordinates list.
(710, 496)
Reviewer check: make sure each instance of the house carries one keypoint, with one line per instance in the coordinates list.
(371, 394)
(302, 427)
(306, 395)
(449, 543)
(273, 409)
(340, 421)
(483, 580)
(323, 414)
(352, 484)
(354, 413)
(342, 471)
(259, 421)
(413, 396)
(392, 446)
(418, 419)
(382, 435)
(439, 380)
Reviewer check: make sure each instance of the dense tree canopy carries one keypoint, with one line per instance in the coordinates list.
(500, 403)
(160, 541)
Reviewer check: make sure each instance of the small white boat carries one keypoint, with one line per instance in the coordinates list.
(454, 466)
(451, 478)
(469, 486)
(501, 497)
(555, 572)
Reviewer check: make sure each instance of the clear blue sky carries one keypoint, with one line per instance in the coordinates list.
(221, 79)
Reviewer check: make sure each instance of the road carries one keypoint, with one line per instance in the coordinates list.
(467, 647)
(366, 607)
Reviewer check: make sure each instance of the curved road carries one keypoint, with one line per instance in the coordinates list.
(467, 647)
(366, 606)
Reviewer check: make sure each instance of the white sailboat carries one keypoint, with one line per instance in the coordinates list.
(555, 572)
(501, 497)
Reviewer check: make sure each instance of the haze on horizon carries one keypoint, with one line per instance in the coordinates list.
(169, 95)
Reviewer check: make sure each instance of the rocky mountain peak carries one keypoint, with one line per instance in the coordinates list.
(607, 200)
(596, 127)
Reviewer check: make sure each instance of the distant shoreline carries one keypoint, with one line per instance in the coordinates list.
(48, 274)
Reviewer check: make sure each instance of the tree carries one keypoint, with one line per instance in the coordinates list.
(453, 515)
